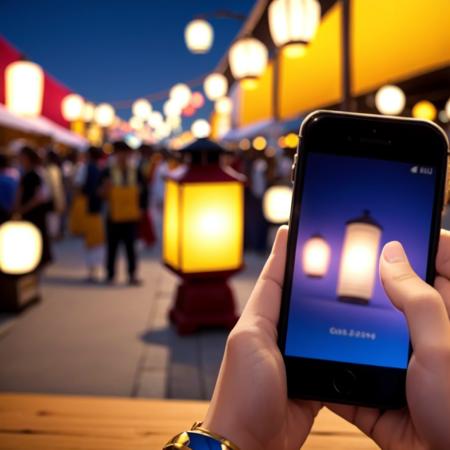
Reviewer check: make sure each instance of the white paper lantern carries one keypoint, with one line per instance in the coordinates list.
(24, 88)
(223, 106)
(201, 128)
(88, 112)
(316, 257)
(171, 108)
(180, 94)
(20, 247)
(277, 204)
(136, 123)
(293, 22)
(248, 58)
(104, 115)
(142, 108)
(72, 107)
(390, 100)
(155, 119)
(199, 36)
(215, 86)
(359, 260)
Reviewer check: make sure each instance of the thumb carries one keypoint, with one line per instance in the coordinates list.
(422, 305)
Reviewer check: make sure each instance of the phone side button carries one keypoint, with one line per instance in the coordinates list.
(344, 381)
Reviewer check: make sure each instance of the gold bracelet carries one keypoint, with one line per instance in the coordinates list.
(181, 441)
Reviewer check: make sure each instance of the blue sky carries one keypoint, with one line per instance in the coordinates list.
(114, 50)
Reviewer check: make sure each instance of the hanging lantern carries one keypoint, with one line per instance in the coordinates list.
(199, 36)
(141, 108)
(155, 119)
(223, 105)
(197, 100)
(20, 247)
(424, 110)
(248, 60)
(136, 123)
(72, 107)
(390, 100)
(293, 23)
(181, 95)
(24, 88)
(359, 260)
(201, 128)
(277, 204)
(171, 109)
(215, 86)
(88, 112)
(104, 115)
(189, 111)
(259, 143)
(203, 237)
(316, 257)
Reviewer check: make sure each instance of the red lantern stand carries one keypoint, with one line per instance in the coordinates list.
(204, 299)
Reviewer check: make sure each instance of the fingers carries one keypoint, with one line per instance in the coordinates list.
(266, 296)
(422, 305)
(443, 255)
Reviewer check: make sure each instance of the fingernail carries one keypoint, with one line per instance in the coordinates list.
(393, 252)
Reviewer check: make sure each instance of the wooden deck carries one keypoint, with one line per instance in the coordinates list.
(47, 422)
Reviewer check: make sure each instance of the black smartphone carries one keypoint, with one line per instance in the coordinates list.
(360, 182)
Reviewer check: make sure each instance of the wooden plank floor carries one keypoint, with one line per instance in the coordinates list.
(46, 422)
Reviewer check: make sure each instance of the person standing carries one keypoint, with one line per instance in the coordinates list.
(126, 194)
(9, 181)
(33, 197)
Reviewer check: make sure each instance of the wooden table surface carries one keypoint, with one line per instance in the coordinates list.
(53, 422)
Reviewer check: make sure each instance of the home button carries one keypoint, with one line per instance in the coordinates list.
(344, 381)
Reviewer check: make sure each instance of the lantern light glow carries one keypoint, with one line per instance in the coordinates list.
(390, 100)
(293, 23)
(215, 86)
(88, 112)
(259, 143)
(199, 35)
(200, 128)
(424, 110)
(20, 247)
(72, 107)
(142, 109)
(223, 105)
(248, 58)
(24, 88)
(316, 257)
(104, 115)
(180, 94)
(277, 204)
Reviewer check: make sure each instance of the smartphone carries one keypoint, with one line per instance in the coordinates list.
(360, 181)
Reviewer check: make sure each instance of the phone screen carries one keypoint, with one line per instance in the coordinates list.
(351, 207)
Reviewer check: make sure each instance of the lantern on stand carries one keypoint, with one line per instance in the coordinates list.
(20, 253)
(316, 257)
(359, 259)
(203, 237)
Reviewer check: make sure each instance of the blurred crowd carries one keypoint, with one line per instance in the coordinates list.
(113, 197)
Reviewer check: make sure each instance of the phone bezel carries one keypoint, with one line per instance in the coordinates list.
(369, 136)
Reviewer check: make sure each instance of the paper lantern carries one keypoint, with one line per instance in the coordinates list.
(215, 86)
(201, 128)
(155, 119)
(390, 100)
(424, 110)
(259, 143)
(189, 111)
(316, 257)
(197, 100)
(199, 36)
(20, 247)
(245, 144)
(24, 88)
(291, 140)
(88, 112)
(223, 105)
(136, 123)
(104, 115)
(72, 107)
(142, 109)
(180, 94)
(248, 59)
(277, 204)
(293, 23)
(359, 260)
(203, 228)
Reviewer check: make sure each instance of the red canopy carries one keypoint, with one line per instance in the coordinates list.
(54, 91)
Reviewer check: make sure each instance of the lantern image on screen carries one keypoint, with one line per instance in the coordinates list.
(359, 260)
(20, 247)
(316, 257)
(203, 236)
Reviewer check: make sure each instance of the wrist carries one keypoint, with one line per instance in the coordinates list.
(232, 430)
